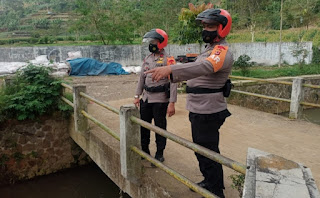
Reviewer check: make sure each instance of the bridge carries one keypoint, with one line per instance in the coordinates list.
(294, 140)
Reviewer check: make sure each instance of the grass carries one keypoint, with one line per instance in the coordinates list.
(275, 71)
(236, 36)
(68, 43)
(291, 35)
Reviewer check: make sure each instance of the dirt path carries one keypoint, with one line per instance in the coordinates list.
(295, 140)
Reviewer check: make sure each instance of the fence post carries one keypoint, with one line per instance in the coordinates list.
(80, 103)
(296, 98)
(131, 167)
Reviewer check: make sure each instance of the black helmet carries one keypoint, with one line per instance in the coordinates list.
(213, 16)
(159, 34)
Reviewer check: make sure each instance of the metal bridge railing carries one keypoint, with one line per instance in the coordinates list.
(133, 120)
(296, 94)
(273, 81)
(126, 119)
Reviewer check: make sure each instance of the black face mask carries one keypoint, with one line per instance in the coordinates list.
(209, 36)
(153, 48)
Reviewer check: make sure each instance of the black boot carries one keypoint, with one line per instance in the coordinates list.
(202, 184)
(159, 156)
(205, 185)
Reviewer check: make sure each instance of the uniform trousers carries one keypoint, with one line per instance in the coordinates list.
(156, 111)
(205, 132)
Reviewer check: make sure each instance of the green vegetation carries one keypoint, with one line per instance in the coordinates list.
(187, 27)
(238, 182)
(243, 63)
(31, 93)
(81, 22)
(243, 67)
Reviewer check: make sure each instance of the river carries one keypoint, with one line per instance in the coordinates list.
(81, 182)
(309, 115)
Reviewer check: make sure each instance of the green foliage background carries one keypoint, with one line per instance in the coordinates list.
(30, 22)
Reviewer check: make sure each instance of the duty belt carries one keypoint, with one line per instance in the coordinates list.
(200, 90)
(161, 88)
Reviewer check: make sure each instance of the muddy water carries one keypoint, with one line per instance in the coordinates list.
(312, 115)
(309, 115)
(82, 182)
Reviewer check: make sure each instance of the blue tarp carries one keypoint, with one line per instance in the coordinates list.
(92, 67)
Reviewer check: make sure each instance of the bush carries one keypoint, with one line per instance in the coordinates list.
(35, 35)
(243, 63)
(60, 39)
(32, 93)
(71, 38)
(3, 42)
(315, 55)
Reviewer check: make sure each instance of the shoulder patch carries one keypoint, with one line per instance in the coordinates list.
(171, 60)
(217, 57)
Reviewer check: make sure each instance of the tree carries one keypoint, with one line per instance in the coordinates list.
(111, 20)
(301, 12)
(189, 30)
(254, 15)
(12, 12)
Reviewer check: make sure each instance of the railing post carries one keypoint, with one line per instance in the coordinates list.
(80, 103)
(131, 167)
(296, 98)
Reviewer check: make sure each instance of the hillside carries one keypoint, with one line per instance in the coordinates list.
(82, 22)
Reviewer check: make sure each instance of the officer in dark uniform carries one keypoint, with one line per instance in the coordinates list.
(158, 98)
(207, 79)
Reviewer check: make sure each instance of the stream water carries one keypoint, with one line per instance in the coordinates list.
(309, 115)
(82, 182)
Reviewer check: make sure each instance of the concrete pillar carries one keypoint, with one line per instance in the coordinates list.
(296, 98)
(131, 167)
(80, 103)
(273, 176)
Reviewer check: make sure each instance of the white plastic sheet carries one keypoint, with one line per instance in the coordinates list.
(132, 69)
(59, 69)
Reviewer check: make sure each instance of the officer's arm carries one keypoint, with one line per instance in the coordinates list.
(191, 70)
(173, 92)
(173, 98)
(195, 69)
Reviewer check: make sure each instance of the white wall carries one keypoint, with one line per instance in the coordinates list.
(127, 55)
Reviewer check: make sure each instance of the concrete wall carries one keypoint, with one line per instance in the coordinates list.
(129, 55)
(104, 150)
(33, 148)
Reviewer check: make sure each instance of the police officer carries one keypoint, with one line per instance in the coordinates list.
(158, 98)
(207, 77)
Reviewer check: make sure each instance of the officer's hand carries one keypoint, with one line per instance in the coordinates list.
(159, 72)
(136, 102)
(171, 109)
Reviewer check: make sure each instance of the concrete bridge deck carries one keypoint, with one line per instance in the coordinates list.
(295, 140)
